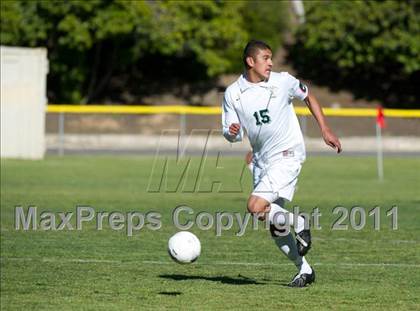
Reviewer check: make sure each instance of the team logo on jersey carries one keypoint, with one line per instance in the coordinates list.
(302, 87)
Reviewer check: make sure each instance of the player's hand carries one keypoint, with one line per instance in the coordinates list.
(234, 129)
(331, 140)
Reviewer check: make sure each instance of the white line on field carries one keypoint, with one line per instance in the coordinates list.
(74, 260)
(316, 239)
(215, 263)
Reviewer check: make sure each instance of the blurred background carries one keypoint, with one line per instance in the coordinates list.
(352, 54)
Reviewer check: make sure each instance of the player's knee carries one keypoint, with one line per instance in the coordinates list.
(255, 209)
(256, 206)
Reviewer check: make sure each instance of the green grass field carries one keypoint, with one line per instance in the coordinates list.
(90, 269)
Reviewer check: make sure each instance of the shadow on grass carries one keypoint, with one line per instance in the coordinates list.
(240, 280)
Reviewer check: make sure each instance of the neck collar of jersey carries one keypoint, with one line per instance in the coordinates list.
(244, 84)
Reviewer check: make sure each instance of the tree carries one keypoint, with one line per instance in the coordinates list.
(99, 47)
(369, 47)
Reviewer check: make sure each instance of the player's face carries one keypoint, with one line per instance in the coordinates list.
(263, 64)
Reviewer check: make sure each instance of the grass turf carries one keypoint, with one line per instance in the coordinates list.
(90, 269)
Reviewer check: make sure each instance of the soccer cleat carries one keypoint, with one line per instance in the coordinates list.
(301, 280)
(303, 242)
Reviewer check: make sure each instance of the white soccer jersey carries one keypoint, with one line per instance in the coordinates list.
(265, 111)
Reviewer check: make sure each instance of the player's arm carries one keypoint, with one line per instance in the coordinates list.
(232, 130)
(329, 137)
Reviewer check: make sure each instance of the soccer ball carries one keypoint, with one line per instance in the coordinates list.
(184, 247)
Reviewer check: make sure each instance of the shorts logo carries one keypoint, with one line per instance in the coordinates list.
(288, 153)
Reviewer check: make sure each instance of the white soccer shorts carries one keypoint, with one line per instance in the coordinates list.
(274, 179)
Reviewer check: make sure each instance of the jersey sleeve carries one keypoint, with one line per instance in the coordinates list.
(297, 89)
(229, 116)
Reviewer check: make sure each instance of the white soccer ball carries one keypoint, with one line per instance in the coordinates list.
(184, 247)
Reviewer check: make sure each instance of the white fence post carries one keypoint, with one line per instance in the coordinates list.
(23, 101)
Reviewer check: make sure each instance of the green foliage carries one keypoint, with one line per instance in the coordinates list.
(89, 42)
(370, 32)
(74, 33)
(379, 40)
(266, 22)
(210, 30)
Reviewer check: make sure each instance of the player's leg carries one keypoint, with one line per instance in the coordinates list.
(284, 240)
(296, 221)
(280, 230)
(286, 243)
(284, 180)
(283, 177)
(259, 203)
(280, 216)
(280, 220)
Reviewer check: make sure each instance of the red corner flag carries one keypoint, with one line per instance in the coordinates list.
(380, 118)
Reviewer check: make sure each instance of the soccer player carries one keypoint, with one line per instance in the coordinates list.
(259, 103)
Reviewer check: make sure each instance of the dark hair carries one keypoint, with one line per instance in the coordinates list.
(252, 48)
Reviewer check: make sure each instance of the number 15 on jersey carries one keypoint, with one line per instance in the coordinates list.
(262, 117)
